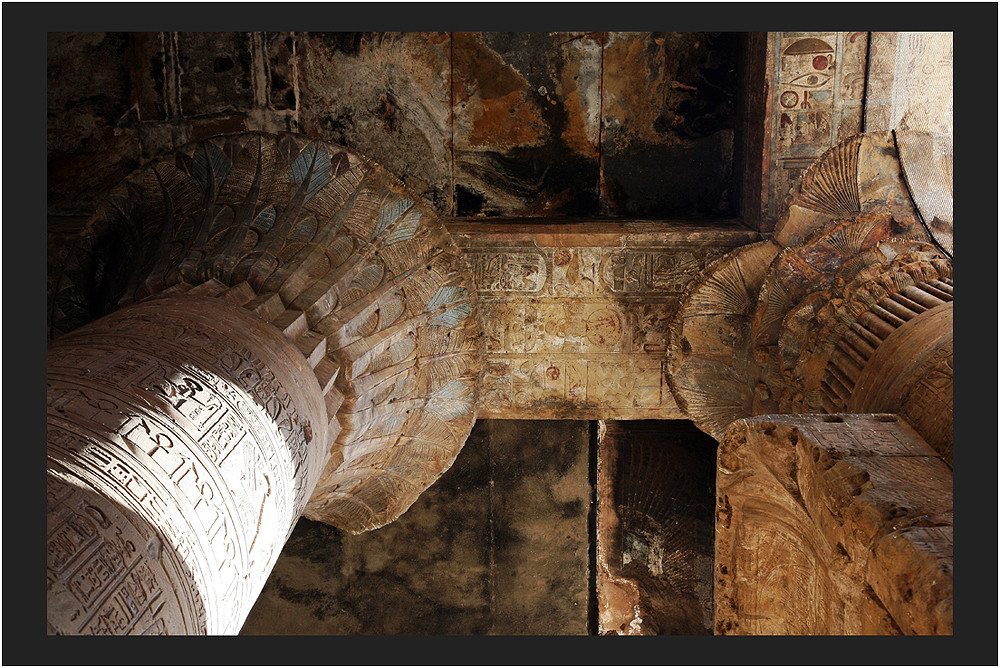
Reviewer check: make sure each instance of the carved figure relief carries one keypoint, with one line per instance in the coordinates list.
(818, 91)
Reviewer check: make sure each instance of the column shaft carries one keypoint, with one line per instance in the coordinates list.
(185, 436)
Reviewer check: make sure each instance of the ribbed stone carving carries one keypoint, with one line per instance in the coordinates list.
(341, 258)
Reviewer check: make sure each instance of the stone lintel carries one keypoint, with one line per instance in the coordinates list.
(612, 232)
(576, 314)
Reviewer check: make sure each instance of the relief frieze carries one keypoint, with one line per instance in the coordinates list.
(575, 316)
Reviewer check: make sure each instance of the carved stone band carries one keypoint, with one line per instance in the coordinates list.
(184, 435)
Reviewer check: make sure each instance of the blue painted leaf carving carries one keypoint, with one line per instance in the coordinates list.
(305, 230)
(312, 165)
(390, 213)
(406, 229)
(447, 295)
(370, 277)
(453, 316)
(452, 401)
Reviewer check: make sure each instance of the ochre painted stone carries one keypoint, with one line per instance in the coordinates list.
(831, 525)
(575, 316)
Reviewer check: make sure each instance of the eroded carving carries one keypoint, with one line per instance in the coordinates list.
(832, 525)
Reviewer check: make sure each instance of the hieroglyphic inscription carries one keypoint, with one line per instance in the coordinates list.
(818, 84)
(198, 448)
(111, 580)
(573, 330)
(910, 82)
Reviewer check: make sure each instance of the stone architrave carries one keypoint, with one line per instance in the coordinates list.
(575, 315)
(832, 525)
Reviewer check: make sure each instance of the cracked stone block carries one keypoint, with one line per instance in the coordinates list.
(832, 525)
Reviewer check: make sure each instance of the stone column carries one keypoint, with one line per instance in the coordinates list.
(252, 327)
(832, 525)
(846, 309)
(185, 435)
(912, 373)
(336, 254)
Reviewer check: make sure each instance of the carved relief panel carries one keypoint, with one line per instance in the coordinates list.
(817, 81)
(575, 323)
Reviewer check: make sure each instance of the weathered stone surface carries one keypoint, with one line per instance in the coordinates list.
(861, 175)
(496, 124)
(817, 81)
(526, 109)
(384, 95)
(282, 70)
(655, 529)
(667, 124)
(575, 316)
(708, 360)
(832, 525)
(155, 77)
(910, 82)
(540, 502)
(497, 546)
(751, 182)
(158, 138)
(216, 72)
(61, 233)
(92, 139)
